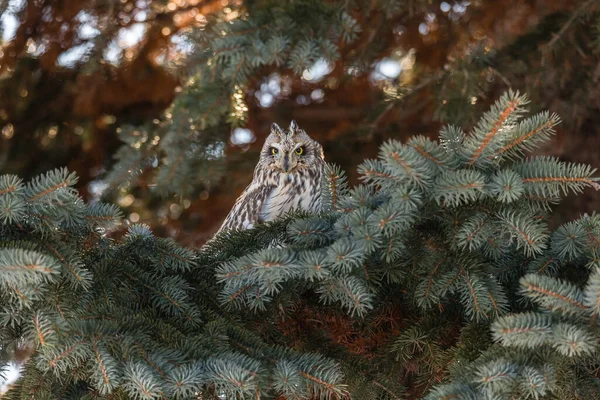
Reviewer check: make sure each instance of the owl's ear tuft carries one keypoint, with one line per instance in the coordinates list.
(275, 128)
(293, 126)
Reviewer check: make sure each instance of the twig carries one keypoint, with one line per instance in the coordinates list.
(394, 103)
(501, 76)
(568, 23)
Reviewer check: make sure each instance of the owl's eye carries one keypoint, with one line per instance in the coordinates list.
(274, 150)
(300, 150)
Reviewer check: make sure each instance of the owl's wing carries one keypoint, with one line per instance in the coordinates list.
(246, 210)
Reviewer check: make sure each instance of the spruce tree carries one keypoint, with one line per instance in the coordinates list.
(437, 277)
(206, 63)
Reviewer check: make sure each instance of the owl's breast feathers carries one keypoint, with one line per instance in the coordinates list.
(292, 191)
(272, 194)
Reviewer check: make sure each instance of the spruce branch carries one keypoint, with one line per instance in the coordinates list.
(528, 135)
(535, 383)
(451, 140)
(375, 172)
(507, 186)
(493, 127)
(475, 296)
(310, 232)
(526, 330)
(453, 391)
(405, 163)
(105, 372)
(547, 176)
(55, 185)
(140, 382)
(336, 186)
(553, 294)
(569, 241)
(592, 292)
(453, 189)
(76, 273)
(11, 184)
(12, 209)
(391, 219)
(572, 340)
(496, 376)
(25, 266)
(474, 231)
(529, 233)
(431, 151)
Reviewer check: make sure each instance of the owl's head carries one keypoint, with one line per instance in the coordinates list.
(290, 150)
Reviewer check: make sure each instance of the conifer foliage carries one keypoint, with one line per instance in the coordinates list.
(437, 277)
(129, 319)
(187, 144)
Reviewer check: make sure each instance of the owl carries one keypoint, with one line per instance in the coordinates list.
(286, 178)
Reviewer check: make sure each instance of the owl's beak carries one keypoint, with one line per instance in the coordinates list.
(286, 163)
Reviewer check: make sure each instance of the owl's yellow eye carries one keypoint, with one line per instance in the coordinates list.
(274, 150)
(300, 150)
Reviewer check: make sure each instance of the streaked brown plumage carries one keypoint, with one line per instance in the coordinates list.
(287, 177)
